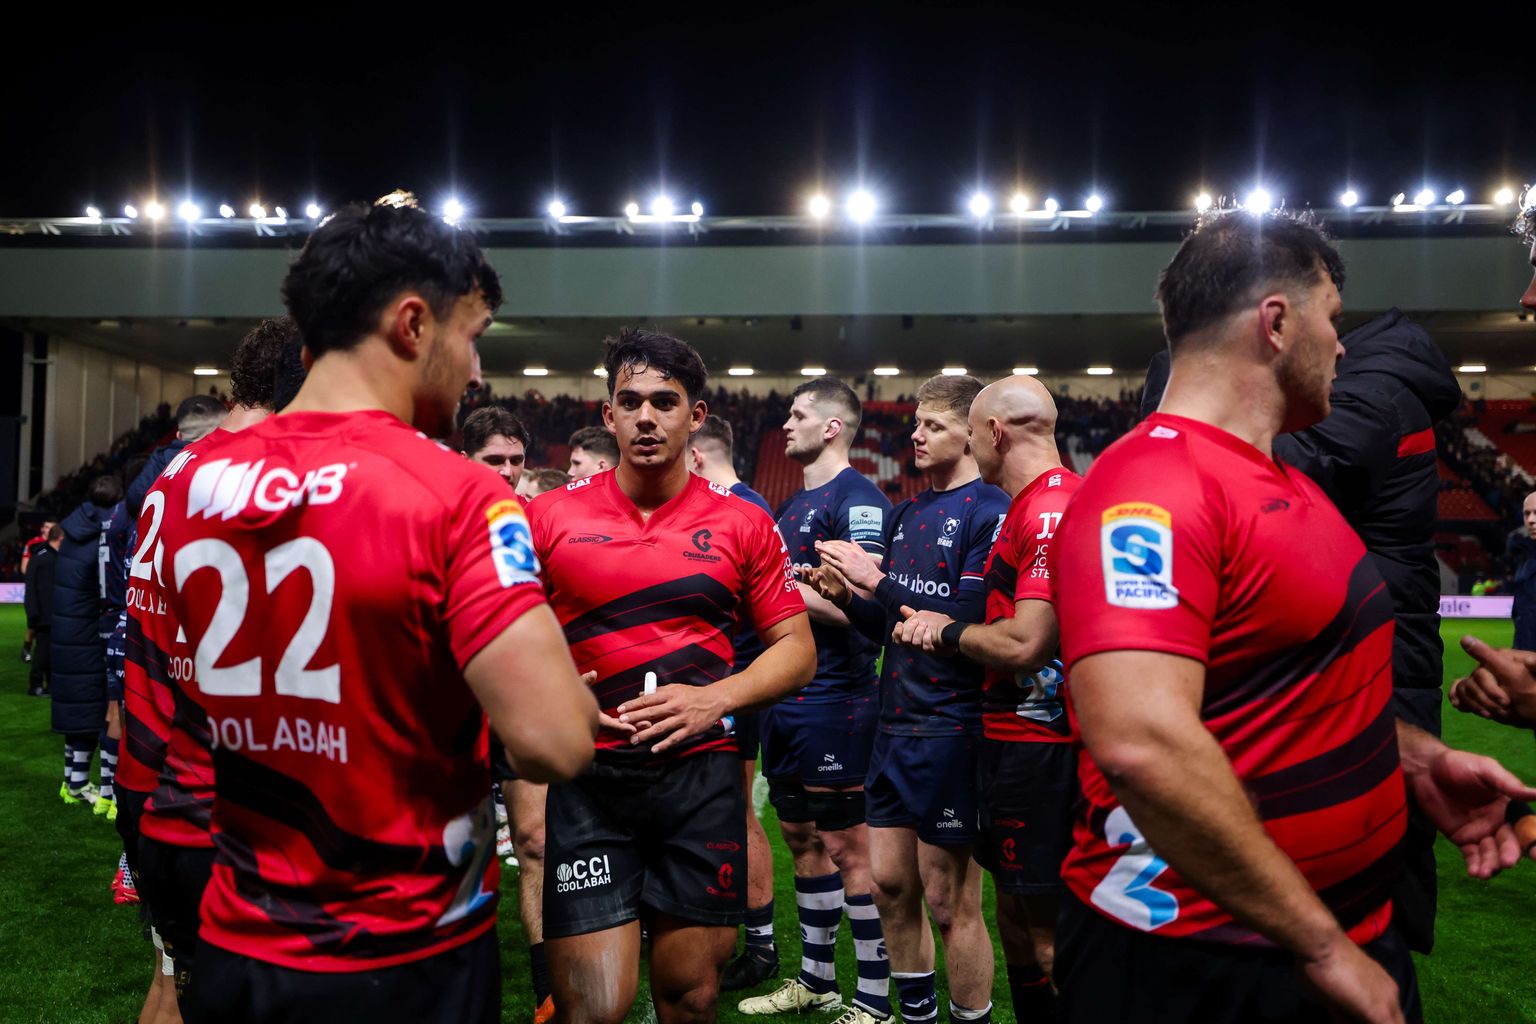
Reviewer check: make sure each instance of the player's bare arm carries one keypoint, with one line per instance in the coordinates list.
(538, 705)
(1024, 643)
(677, 712)
(1178, 786)
(1464, 795)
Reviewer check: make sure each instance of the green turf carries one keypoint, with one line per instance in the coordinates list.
(73, 956)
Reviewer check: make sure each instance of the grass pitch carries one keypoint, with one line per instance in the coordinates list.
(74, 956)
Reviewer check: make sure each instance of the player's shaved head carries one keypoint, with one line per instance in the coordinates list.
(1013, 431)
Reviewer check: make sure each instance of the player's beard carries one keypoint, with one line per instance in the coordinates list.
(438, 399)
(1305, 382)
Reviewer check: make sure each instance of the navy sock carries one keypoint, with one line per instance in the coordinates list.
(874, 991)
(760, 927)
(820, 902)
(919, 997)
(1033, 998)
(538, 967)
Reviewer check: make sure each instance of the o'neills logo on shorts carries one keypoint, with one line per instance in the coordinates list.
(582, 874)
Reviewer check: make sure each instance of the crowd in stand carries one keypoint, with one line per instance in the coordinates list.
(1490, 472)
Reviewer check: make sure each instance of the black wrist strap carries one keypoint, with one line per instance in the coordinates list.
(949, 636)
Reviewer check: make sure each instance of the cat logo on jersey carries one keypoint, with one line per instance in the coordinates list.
(1136, 544)
(512, 544)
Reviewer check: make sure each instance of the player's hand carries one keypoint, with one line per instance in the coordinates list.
(829, 583)
(1355, 987)
(921, 629)
(856, 565)
(1502, 688)
(672, 714)
(1464, 795)
(607, 721)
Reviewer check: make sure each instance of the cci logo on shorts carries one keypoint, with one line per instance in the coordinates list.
(576, 875)
(1136, 544)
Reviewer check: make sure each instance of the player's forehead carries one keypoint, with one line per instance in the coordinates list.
(472, 310)
(1530, 501)
(645, 382)
(940, 414)
(806, 405)
(501, 444)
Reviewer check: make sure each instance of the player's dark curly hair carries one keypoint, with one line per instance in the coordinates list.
(358, 260)
(1234, 256)
(640, 350)
(483, 424)
(254, 369)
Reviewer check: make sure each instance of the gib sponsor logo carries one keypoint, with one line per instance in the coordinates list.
(224, 488)
(577, 875)
(1136, 545)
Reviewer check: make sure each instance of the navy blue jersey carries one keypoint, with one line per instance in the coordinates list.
(938, 545)
(847, 507)
(747, 645)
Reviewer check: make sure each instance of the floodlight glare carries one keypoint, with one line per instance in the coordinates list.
(740, 371)
(861, 206)
(980, 204)
(1425, 197)
(1019, 203)
(813, 371)
(1100, 371)
(205, 371)
(257, 211)
(313, 211)
(819, 206)
(1026, 371)
(1202, 202)
(1349, 198)
(1457, 197)
(661, 206)
(453, 210)
(953, 371)
(1472, 368)
(1051, 205)
(556, 209)
(153, 210)
(697, 208)
(226, 211)
(131, 212)
(280, 212)
(93, 213)
(1259, 201)
(886, 371)
(1504, 196)
(1399, 199)
(601, 371)
(189, 211)
(1093, 204)
(631, 209)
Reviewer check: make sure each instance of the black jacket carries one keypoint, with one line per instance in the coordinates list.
(1375, 457)
(80, 618)
(38, 601)
(158, 460)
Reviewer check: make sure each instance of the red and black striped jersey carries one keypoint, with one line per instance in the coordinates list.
(1015, 706)
(1184, 539)
(660, 595)
(334, 572)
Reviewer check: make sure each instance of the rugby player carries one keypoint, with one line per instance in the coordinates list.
(711, 457)
(921, 790)
(816, 746)
(496, 438)
(593, 450)
(536, 481)
(1229, 646)
(343, 671)
(1027, 779)
(165, 775)
(649, 569)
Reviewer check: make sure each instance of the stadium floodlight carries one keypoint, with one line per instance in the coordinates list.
(257, 211)
(740, 371)
(280, 212)
(1100, 371)
(1051, 205)
(131, 212)
(535, 371)
(189, 211)
(312, 211)
(886, 371)
(1202, 202)
(555, 209)
(1425, 197)
(813, 371)
(1019, 203)
(153, 210)
(1259, 201)
(1093, 204)
(1349, 198)
(205, 371)
(697, 208)
(631, 210)
(661, 206)
(1399, 198)
(1026, 371)
(1472, 368)
(92, 213)
(953, 371)
(1504, 196)
(453, 211)
(818, 206)
(226, 211)
(1457, 197)
(861, 206)
(980, 204)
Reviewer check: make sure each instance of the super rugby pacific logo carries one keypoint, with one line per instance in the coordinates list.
(1136, 548)
(511, 544)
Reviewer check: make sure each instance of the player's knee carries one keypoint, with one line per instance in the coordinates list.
(529, 842)
(696, 1003)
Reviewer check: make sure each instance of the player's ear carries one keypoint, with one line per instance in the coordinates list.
(1275, 316)
(700, 411)
(608, 416)
(406, 325)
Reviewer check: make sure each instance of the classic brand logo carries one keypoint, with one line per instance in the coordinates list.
(588, 538)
